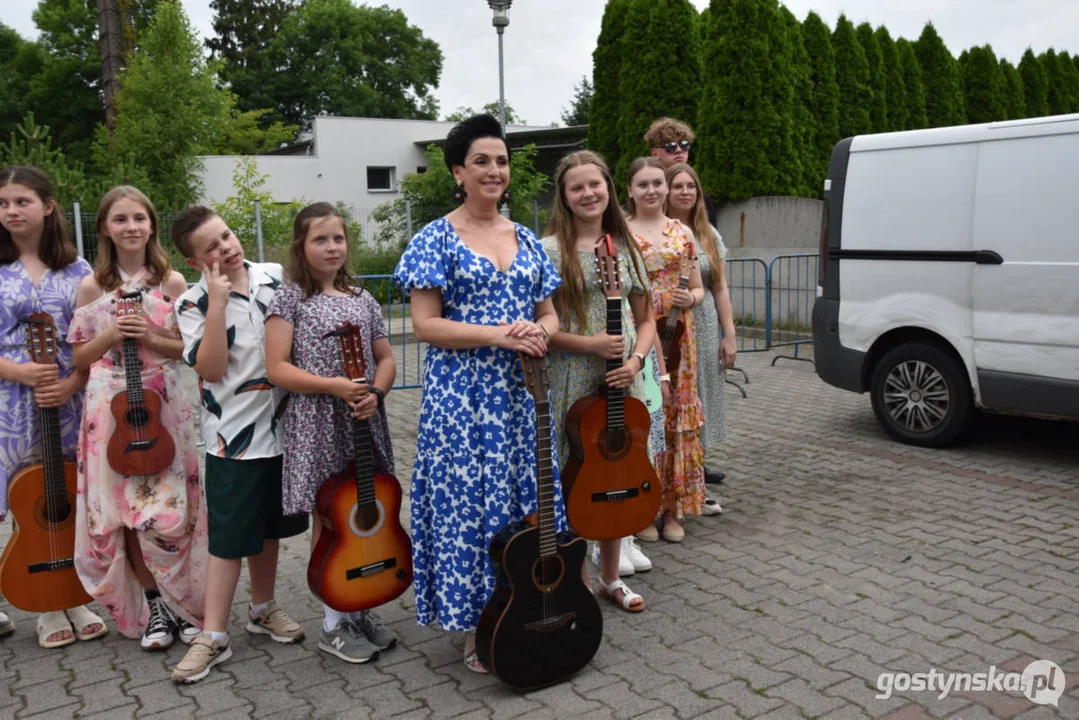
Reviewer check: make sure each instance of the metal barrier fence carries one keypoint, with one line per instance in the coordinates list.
(792, 284)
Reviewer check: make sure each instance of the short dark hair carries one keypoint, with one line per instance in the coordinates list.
(185, 224)
(467, 132)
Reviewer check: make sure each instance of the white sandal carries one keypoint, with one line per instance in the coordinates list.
(50, 623)
(82, 617)
(628, 596)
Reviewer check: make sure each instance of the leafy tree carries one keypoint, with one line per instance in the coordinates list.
(912, 84)
(852, 76)
(1035, 85)
(806, 177)
(824, 98)
(491, 108)
(30, 144)
(983, 85)
(895, 89)
(169, 110)
(333, 57)
(878, 82)
(577, 112)
(245, 134)
(940, 77)
(606, 82)
(20, 61)
(661, 72)
(1014, 104)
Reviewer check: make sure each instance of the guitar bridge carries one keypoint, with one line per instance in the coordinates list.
(372, 569)
(551, 624)
(139, 445)
(50, 565)
(616, 495)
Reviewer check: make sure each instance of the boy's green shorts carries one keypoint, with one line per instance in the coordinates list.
(243, 506)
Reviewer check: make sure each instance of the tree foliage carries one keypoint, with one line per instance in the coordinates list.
(894, 88)
(940, 78)
(606, 82)
(31, 144)
(852, 76)
(878, 81)
(491, 108)
(983, 85)
(805, 177)
(912, 85)
(577, 112)
(1015, 106)
(1035, 85)
(824, 94)
(1062, 94)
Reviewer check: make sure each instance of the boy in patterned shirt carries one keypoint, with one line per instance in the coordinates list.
(221, 321)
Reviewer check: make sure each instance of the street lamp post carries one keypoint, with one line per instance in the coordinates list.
(501, 20)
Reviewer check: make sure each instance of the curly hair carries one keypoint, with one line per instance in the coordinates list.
(667, 130)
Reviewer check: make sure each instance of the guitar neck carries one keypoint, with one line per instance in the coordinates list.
(364, 458)
(133, 372)
(673, 318)
(615, 396)
(548, 542)
(52, 452)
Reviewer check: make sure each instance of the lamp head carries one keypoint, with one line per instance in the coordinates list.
(501, 11)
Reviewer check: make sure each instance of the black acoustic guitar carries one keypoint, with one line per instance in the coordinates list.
(542, 624)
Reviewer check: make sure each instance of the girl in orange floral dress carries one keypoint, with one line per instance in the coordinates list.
(140, 541)
(667, 246)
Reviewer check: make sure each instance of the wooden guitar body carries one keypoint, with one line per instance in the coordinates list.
(542, 624)
(363, 557)
(672, 348)
(139, 445)
(32, 580)
(610, 485)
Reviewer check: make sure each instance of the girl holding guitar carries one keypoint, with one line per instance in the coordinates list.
(667, 246)
(583, 214)
(303, 355)
(39, 273)
(140, 542)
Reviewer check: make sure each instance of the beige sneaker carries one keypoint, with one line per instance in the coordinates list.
(274, 622)
(203, 654)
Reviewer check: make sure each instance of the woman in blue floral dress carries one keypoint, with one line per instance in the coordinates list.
(480, 290)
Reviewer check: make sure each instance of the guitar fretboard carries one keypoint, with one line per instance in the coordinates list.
(548, 542)
(364, 458)
(616, 406)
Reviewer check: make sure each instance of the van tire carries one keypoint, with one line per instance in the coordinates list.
(922, 382)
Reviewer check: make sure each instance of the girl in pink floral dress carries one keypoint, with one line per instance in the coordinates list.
(666, 245)
(140, 546)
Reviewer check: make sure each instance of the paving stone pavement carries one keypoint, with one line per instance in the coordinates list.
(840, 555)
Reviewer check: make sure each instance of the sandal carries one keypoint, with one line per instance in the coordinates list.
(628, 596)
(472, 662)
(54, 623)
(84, 619)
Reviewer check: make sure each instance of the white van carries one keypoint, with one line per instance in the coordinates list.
(949, 274)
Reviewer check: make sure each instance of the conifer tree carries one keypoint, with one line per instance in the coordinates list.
(1059, 93)
(805, 177)
(852, 76)
(606, 73)
(1035, 85)
(940, 77)
(1070, 75)
(1014, 104)
(983, 85)
(824, 95)
(878, 107)
(912, 84)
(895, 89)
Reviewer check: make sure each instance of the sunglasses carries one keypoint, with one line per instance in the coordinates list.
(673, 147)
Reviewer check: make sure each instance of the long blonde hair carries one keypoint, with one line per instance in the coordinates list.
(106, 271)
(698, 220)
(570, 297)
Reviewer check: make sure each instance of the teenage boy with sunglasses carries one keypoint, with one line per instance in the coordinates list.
(671, 140)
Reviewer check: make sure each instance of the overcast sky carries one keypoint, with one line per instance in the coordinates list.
(549, 43)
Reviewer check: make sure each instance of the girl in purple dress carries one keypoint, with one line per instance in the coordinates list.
(39, 272)
(303, 357)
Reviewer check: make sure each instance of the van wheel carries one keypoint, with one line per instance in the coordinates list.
(921, 395)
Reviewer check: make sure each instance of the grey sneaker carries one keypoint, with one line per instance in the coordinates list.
(347, 642)
(375, 631)
(203, 654)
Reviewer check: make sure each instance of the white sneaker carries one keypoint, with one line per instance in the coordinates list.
(637, 559)
(711, 506)
(625, 567)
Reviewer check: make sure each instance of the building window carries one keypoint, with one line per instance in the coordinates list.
(380, 179)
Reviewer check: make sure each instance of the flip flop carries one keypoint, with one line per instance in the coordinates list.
(628, 596)
(81, 618)
(7, 626)
(472, 662)
(50, 623)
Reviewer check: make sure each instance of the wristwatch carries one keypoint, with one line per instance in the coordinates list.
(381, 395)
(639, 356)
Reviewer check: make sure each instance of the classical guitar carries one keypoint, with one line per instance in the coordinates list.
(139, 445)
(611, 487)
(363, 557)
(542, 623)
(37, 570)
(672, 328)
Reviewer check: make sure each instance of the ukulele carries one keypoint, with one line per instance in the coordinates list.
(139, 445)
(363, 557)
(37, 570)
(673, 327)
(612, 490)
(542, 623)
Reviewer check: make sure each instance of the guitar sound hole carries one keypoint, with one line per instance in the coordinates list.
(617, 442)
(366, 516)
(55, 512)
(137, 417)
(547, 573)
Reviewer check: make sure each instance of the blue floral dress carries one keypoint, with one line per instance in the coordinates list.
(475, 468)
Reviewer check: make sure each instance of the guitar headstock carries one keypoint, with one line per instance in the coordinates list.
(610, 278)
(689, 260)
(41, 338)
(351, 342)
(129, 303)
(535, 369)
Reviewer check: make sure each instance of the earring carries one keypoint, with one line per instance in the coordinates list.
(458, 195)
(506, 197)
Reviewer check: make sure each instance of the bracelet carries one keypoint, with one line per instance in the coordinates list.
(379, 394)
(639, 356)
(546, 335)
(665, 377)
